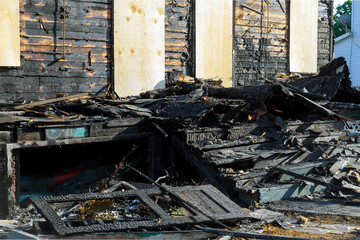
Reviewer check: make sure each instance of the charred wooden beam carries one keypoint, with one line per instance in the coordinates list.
(205, 170)
(41, 103)
(259, 94)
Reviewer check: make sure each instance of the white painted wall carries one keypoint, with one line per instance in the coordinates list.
(355, 51)
(349, 47)
(343, 49)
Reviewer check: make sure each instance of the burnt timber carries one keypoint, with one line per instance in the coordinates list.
(201, 130)
(206, 197)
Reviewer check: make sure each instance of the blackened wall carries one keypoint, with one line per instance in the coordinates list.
(261, 42)
(43, 72)
(87, 66)
(260, 46)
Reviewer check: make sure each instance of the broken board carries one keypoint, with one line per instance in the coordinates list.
(303, 36)
(139, 46)
(206, 198)
(332, 207)
(10, 33)
(214, 39)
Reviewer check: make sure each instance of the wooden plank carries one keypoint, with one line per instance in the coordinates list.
(153, 206)
(303, 36)
(214, 39)
(10, 33)
(139, 46)
(201, 201)
(333, 207)
(41, 103)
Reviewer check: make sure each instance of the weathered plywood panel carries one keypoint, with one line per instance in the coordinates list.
(214, 39)
(303, 36)
(139, 46)
(9, 33)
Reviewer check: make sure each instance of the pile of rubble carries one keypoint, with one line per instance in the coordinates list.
(287, 151)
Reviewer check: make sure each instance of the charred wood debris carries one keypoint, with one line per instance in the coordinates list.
(284, 154)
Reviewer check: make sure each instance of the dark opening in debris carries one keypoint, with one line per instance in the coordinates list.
(76, 168)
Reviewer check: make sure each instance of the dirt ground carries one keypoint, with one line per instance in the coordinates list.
(275, 229)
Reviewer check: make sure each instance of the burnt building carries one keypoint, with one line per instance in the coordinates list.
(67, 47)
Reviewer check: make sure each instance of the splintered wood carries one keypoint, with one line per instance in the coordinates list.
(139, 46)
(214, 39)
(303, 36)
(10, 33)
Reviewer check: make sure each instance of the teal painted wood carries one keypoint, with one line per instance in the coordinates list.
(64, 133)
(286, 191)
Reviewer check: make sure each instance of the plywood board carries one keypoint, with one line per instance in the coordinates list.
(139, 46)
(9, 33)
(303, 36)
(214, 39)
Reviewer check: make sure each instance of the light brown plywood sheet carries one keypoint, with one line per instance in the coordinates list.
(9, 33)
(214, 39)
(139, 46)
(303, 36)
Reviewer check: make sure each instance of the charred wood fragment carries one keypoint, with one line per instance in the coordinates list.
(179, 89)
(259, 94)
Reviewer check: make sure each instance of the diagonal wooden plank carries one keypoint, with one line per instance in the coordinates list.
(49, 214)
(201, 201)
(54, 100)
(153, 206)
(226, 203)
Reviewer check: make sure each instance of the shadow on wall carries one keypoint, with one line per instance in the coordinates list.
(160, 84)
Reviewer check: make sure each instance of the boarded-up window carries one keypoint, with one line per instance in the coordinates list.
(139, 46)
(303, 36)
(9, 33)
(214, 39)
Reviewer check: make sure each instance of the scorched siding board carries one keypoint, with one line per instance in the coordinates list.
(9, 33)
(214, 39)
(261, 42)
(139, 46)
(88, 50)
